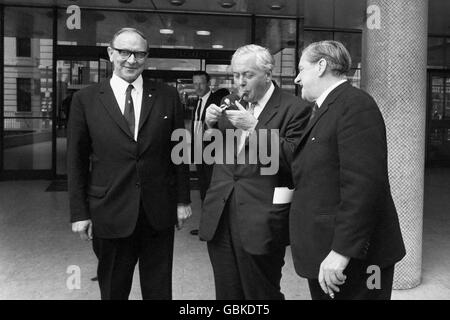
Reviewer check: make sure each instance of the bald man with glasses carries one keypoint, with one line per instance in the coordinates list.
(126, 195)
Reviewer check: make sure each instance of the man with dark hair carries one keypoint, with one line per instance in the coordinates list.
(125, 192)
(343, 221)
(206, 97)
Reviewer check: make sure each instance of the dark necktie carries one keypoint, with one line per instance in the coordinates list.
(129, 109)
(313, 112)
(198, 116)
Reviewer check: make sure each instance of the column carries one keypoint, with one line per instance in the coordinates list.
(394, 73)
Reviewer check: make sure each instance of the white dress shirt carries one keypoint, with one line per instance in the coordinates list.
(258, 107)
(119, 87)
(198, 116)
(261, 103)
(325, 94)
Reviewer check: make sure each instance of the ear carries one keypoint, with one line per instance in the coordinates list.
(322, 66)
(269, 76)
(110, 53)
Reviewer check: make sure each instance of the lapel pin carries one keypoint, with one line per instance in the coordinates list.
(165, 117)
(150, 95)
(313, 138)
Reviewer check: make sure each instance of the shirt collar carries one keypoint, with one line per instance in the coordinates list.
(122, 85)
(263, 101)
(206, 96)
(325, 94)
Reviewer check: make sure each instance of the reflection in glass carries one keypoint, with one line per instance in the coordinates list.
(27, 144)
(172, 64)
(28, 54)
(98, 28)
(278, 35)
(437, 98)
(447, 97)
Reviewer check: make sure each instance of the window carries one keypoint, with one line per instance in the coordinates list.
(435, 52)
(279, 36)
(23, 95)
(23, 47)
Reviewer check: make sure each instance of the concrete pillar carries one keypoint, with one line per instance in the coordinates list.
(394, 73)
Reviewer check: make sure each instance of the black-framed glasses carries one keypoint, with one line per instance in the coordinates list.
(125, 54)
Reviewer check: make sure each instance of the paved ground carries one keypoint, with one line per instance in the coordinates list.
(37, 249)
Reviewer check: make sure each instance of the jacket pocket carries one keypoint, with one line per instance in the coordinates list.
(96, 191)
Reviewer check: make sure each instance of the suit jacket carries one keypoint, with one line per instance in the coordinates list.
(342, 199)
(111, 175)
(263, 225)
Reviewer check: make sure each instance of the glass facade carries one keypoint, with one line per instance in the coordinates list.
(27, 89)
(279, 36)
(51, 52)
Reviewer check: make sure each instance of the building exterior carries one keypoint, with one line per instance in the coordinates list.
(52, 48)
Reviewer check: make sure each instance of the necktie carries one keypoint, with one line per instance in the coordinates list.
(198, 119)
(129, 109)
(313, 112)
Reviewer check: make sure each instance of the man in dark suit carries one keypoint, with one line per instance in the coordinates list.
(344, 226)
(125, 192)
(246, 230)
(206, 97)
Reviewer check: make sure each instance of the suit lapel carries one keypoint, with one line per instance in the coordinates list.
(112, 107)
(148, 99)
(207, 103)
(324, 108)
(270, 108)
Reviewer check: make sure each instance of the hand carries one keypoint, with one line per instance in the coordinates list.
(83, 228)
(213, 114)
(241, 119)
(331, 272)
(184, 212)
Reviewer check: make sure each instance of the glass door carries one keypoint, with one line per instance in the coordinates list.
(438, 132)
(73, 75)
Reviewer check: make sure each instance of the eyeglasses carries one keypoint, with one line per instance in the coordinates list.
(125, 54)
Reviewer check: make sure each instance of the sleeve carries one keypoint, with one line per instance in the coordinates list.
(78, 153)
(296, 120)
(362, 150)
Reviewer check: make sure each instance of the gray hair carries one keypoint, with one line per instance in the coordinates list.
(132, 30)
(264, 59)
(337, 56)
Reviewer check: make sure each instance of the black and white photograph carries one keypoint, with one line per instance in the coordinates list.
(225, 156)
